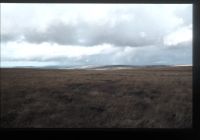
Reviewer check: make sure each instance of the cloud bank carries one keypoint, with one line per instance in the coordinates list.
(96, 34)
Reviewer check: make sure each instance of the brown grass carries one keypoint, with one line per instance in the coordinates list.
(137, 98)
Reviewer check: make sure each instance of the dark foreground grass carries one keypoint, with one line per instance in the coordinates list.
(137, 98)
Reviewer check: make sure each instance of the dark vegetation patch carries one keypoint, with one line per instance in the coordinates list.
(137, 98)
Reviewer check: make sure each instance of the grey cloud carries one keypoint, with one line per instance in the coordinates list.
(122, 33)
(8, 37)
(90, 34)
(55, 33)
(180, 54)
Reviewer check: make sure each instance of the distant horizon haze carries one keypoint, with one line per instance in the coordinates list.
(94, 66)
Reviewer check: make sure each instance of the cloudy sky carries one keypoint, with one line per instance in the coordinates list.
(96, 34)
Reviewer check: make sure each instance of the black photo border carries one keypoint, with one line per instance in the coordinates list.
(195, 130)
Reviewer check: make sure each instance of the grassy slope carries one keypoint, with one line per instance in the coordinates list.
(141, 98)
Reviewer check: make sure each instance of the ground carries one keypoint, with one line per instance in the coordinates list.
(127, 98)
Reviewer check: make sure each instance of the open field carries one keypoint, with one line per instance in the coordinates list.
(134, 98)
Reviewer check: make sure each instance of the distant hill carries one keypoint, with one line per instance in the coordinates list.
(126, 66)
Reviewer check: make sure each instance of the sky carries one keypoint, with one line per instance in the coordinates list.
(95, 34)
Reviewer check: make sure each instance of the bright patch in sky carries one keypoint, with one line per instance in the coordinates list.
(96, 34)
(181, 35)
